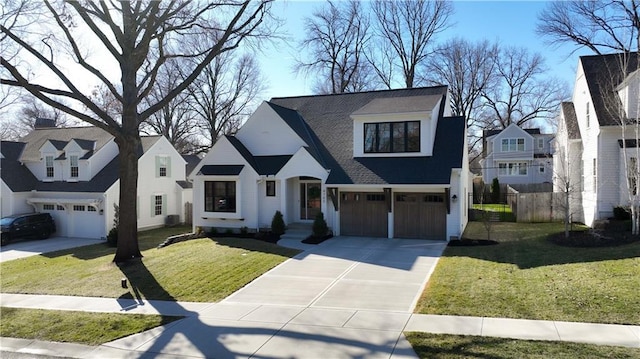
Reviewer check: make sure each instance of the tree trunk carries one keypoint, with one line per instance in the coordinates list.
(566, 211)
(128, 248)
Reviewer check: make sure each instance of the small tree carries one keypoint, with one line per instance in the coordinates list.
(112, 236)
(495, 190)
(277, 224)
(320, 228)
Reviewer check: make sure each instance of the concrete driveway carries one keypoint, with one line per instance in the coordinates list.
(31, 247)
(348, 297)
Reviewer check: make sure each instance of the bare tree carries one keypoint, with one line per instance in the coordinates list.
(470, 71)
(175, 120)
(599, 25)
(337, 36)
(523, 92)
(135, 39)
(224, 95)
(409, 28)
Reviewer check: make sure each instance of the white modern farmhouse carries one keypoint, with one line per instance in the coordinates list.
(72, 173)
(591, 143)
(381, 164)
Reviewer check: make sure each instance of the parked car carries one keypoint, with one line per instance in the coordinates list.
(35, 225)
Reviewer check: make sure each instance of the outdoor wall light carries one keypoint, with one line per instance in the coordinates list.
(123, 282)
(454, 198)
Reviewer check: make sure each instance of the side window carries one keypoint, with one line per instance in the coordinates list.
(48, 163)
(163, 166)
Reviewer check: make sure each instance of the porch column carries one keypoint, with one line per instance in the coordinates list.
(283, 201)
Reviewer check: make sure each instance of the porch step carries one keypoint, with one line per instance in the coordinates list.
(297, 231)
(494, 217)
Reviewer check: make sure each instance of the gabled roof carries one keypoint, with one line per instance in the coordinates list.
(13, 173)
(192, 162)
(603, 74)
(263, 165)
(531, 131)
(327, 118)
(221, 170)
(571, 121)
(60, 137)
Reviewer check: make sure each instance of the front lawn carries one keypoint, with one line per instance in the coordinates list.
(527, 276)
(440, 346)
(202, 270)
(75, 327)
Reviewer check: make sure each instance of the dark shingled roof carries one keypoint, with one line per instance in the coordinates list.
(192, 162)
(221, 170)
(59, 137)
(20, 179)
(13, 173)
(603, 74)
(571, 121)
(263, 165)
(328, 120)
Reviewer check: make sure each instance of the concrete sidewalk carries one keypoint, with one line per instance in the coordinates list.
(230, 330)
(348, 297)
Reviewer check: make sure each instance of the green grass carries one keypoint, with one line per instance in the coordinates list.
(526, 276)
(492, 207)
(440, 346)
(202, 270)
(75, 327)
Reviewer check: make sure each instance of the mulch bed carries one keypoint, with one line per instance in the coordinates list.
(316, 240)
(465, 242)
(591, 238)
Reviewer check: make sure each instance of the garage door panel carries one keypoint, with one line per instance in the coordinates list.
(420, 215)
(363, 214)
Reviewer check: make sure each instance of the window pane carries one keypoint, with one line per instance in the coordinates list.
(370, 144)
(520, 144)
(220, 196)
(398, 136)
(158, 205)
(413, 136)
(505, 145)
(384, 136)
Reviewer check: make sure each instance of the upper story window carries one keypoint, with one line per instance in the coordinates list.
(163, 166)
(512, 144)
(587, 114)
(73, 163)
(512, 169)
(388, 137)
(540, 143)
(48, 163)
(219, 196)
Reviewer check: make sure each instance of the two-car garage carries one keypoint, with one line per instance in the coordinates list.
(415, 215)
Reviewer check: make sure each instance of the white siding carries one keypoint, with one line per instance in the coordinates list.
(265, 134)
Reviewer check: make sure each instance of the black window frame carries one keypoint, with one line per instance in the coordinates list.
(378, 144)
(217, 206)
(270, 188)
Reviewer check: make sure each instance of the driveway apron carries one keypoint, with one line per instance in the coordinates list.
(349, 297)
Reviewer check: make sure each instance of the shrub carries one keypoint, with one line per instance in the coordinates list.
(277, 224)
(213, 231)
(621, 213)
(495, 190)
(244, 230)
(112, 237)
(320, 228)
(228, 231)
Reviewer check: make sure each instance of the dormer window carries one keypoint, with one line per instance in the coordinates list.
(48, 163)
(73, 163)
(388, 137)
(163, 166)
(512, 144)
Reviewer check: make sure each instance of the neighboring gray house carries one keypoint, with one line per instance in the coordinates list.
(389, 164)
(517, 156)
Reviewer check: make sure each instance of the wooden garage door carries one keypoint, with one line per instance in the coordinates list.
(363, 214)
(420, 215)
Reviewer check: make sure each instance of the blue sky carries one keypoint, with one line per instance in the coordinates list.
(508, 22)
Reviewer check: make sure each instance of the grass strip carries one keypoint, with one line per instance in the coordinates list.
(200, 270)
(443, 346)
(526, 276)
(75, 327)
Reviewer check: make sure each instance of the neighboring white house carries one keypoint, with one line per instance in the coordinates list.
(380, 163)
(590, 139)
(72, 173)
(517, 156)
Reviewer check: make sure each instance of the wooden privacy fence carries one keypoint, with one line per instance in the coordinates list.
(188, 213)
(536, 207)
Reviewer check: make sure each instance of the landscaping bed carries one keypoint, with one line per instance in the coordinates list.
(592, 238)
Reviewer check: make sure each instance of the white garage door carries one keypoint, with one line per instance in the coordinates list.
(86, 222)
(60, 217)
